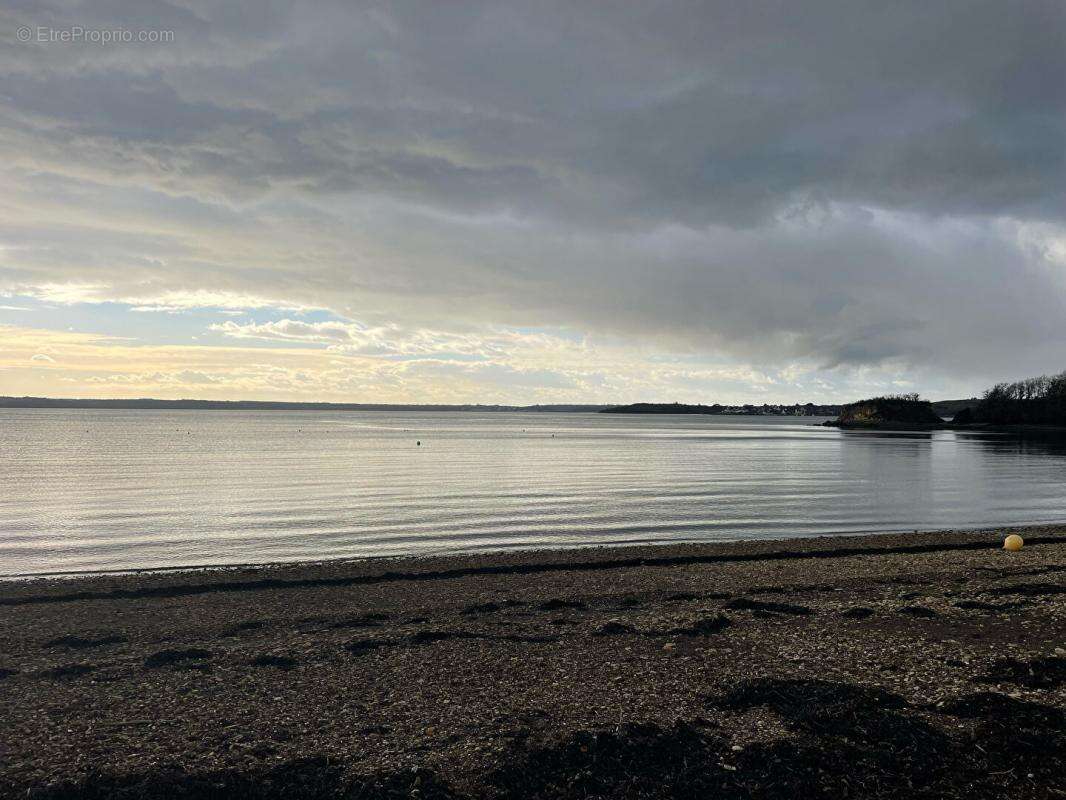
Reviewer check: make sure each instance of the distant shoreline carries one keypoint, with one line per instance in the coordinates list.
(148, 403)
(271, 405)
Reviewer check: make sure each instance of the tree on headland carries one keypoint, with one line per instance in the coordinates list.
(887, 410)
(1033, 401)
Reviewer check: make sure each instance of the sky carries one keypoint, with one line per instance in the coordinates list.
(531, 202)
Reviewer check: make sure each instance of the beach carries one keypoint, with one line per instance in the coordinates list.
(909, 665)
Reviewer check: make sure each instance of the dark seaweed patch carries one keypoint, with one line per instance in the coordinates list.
(1036, 673)
(281, 662)
(614, 628)
(84, 643)
(363, 646)
(70, 671)
(245, 627)
(317, 777)
(918, 611)
(766, 607)
(182, 658)
(707, 626)
(858, 612)
(557, 604)
(682, 597)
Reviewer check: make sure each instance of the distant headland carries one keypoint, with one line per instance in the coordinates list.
(938, 408)
(904, 410)
(794, 410)
(1034, 402)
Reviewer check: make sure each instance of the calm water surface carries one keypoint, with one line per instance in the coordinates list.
(113, 490)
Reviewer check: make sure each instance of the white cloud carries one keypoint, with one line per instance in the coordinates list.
(389, 339)
(522, 368)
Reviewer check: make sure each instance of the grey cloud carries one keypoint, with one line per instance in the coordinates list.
(692, 112)
(759, 101)
(847, 184)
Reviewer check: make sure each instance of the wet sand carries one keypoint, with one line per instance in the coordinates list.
(919, 665)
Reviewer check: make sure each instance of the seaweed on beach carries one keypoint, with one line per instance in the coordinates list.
(918, 611)
(481, 608)
(706, 626)
(1034, 673)
(845, 741)
(857, 612)
(646, 761)
(767, 607)
(303, 779)
(614, 627)
(557, 604)
(280, 662)
(85, 642)
(190, 656)
(70, 671)
(363, 646)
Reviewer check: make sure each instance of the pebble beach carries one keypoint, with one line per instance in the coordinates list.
(910, 665)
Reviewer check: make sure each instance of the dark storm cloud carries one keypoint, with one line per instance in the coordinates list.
(840, 182)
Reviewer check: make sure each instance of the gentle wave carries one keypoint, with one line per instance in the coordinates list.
(115, 490)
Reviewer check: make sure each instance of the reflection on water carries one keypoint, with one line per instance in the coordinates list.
(83, 490)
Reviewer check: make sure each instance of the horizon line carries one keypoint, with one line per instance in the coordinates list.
(10, 401)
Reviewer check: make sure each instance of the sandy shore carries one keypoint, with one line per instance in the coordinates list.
(925, 665)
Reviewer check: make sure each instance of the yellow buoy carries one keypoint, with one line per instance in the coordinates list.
(1013, 542)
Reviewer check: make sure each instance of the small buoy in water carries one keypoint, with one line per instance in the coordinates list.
(1013, 542)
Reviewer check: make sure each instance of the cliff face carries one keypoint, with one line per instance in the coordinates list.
(887, 412)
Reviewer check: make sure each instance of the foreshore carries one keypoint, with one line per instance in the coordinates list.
(917, 665)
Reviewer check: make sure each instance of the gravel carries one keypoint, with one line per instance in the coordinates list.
(919, 665)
